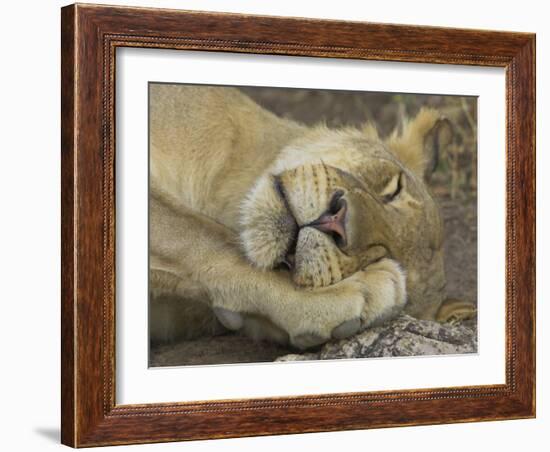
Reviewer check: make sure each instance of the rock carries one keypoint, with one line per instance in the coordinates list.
(404, 336)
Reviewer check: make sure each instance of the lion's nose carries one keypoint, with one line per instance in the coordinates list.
(332, 222)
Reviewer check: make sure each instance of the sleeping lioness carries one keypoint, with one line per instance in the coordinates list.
(291, 233)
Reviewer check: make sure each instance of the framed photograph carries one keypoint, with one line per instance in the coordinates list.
(281, 225)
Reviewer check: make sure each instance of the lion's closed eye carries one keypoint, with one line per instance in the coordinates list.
(393, 188)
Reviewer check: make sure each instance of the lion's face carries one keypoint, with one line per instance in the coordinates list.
(335, 201)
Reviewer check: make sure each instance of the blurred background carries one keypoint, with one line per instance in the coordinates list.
(454, 185)
(456, 175)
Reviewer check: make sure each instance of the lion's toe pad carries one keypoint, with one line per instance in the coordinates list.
(230, 319)
(346, 329)
(308, 340)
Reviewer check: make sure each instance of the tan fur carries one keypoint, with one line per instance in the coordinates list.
(409, 144)
(233, 189)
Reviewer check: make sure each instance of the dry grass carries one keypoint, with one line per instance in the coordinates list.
(456, 174)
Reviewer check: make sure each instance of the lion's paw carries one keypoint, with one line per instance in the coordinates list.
(384, 286)
(230, 319)
(309, 318)
(260, 328)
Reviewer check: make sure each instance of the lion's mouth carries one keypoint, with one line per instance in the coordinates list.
(331, 222)
(289, 258)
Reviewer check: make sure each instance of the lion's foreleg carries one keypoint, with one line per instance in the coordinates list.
(189, 245)
(178, 309)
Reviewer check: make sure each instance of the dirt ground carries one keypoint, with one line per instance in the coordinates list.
(454, 188)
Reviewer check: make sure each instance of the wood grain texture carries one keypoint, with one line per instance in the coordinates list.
(90, 36)
(67, 226)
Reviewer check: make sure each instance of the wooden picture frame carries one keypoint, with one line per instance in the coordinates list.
(90, 35)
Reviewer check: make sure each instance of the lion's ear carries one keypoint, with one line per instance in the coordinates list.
(421, 141)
